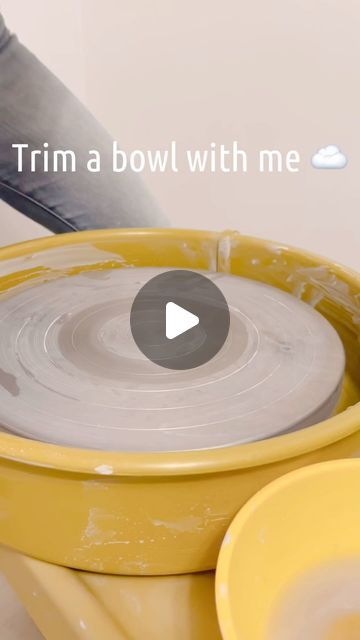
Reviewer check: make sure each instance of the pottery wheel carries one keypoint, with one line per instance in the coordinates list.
(72, 374)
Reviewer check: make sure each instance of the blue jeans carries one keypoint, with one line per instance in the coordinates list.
(35, 107)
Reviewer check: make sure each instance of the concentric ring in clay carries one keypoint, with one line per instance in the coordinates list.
(71, 374)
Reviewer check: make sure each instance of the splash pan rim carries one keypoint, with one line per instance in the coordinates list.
(91, 461)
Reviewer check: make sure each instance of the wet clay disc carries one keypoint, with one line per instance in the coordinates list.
(72, 374)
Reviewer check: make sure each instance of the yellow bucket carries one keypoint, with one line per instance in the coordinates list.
(302, 523)
(165, 513)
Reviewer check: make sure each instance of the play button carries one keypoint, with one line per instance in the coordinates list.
(180, 319)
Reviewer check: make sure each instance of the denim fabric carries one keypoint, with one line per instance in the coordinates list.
(35, 107)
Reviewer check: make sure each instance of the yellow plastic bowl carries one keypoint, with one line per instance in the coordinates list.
(304, 520)
(162, 513)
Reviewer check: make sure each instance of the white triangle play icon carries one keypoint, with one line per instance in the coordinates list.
(178, 320)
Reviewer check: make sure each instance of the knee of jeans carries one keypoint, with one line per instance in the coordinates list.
(5, 35)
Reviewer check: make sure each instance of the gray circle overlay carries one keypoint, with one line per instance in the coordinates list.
(197, 294)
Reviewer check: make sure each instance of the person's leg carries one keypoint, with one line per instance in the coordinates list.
(35, 107)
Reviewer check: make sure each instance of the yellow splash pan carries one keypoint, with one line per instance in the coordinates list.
(153, 513)
(306, 520)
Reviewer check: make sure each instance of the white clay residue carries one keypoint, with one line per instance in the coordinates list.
(227, 539)
(60, 258)
(100, 530)
(323, 604)
(324, 283)
(276, 248)
(104, 469)
(224, 253)
(188, 524)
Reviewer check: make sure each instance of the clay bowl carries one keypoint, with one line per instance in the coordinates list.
(164, 513)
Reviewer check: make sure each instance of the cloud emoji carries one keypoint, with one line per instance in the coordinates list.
(329, 157)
